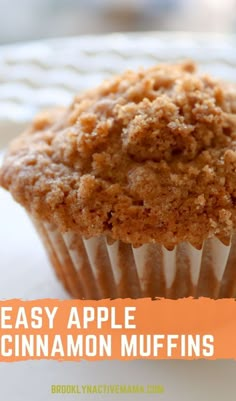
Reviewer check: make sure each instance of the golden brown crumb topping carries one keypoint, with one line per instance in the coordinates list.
(147, 156)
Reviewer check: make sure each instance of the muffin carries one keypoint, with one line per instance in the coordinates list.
(133, 187)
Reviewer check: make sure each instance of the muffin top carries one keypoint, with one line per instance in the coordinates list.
(148, 156)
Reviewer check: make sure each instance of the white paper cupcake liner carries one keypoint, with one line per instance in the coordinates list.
(93, 269)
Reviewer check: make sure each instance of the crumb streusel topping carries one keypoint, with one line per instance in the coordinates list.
(148, 156)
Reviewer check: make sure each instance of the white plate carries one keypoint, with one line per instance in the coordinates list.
(37, 75)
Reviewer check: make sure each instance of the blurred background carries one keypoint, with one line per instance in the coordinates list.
(22, 20)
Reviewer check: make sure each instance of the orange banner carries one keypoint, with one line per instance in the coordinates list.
(117, 329)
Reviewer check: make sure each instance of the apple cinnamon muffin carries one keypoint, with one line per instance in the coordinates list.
(133, 187)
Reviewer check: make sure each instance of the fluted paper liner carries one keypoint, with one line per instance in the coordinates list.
(93, 269)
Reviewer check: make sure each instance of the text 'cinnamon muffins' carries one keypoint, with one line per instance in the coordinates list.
(133, 188)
